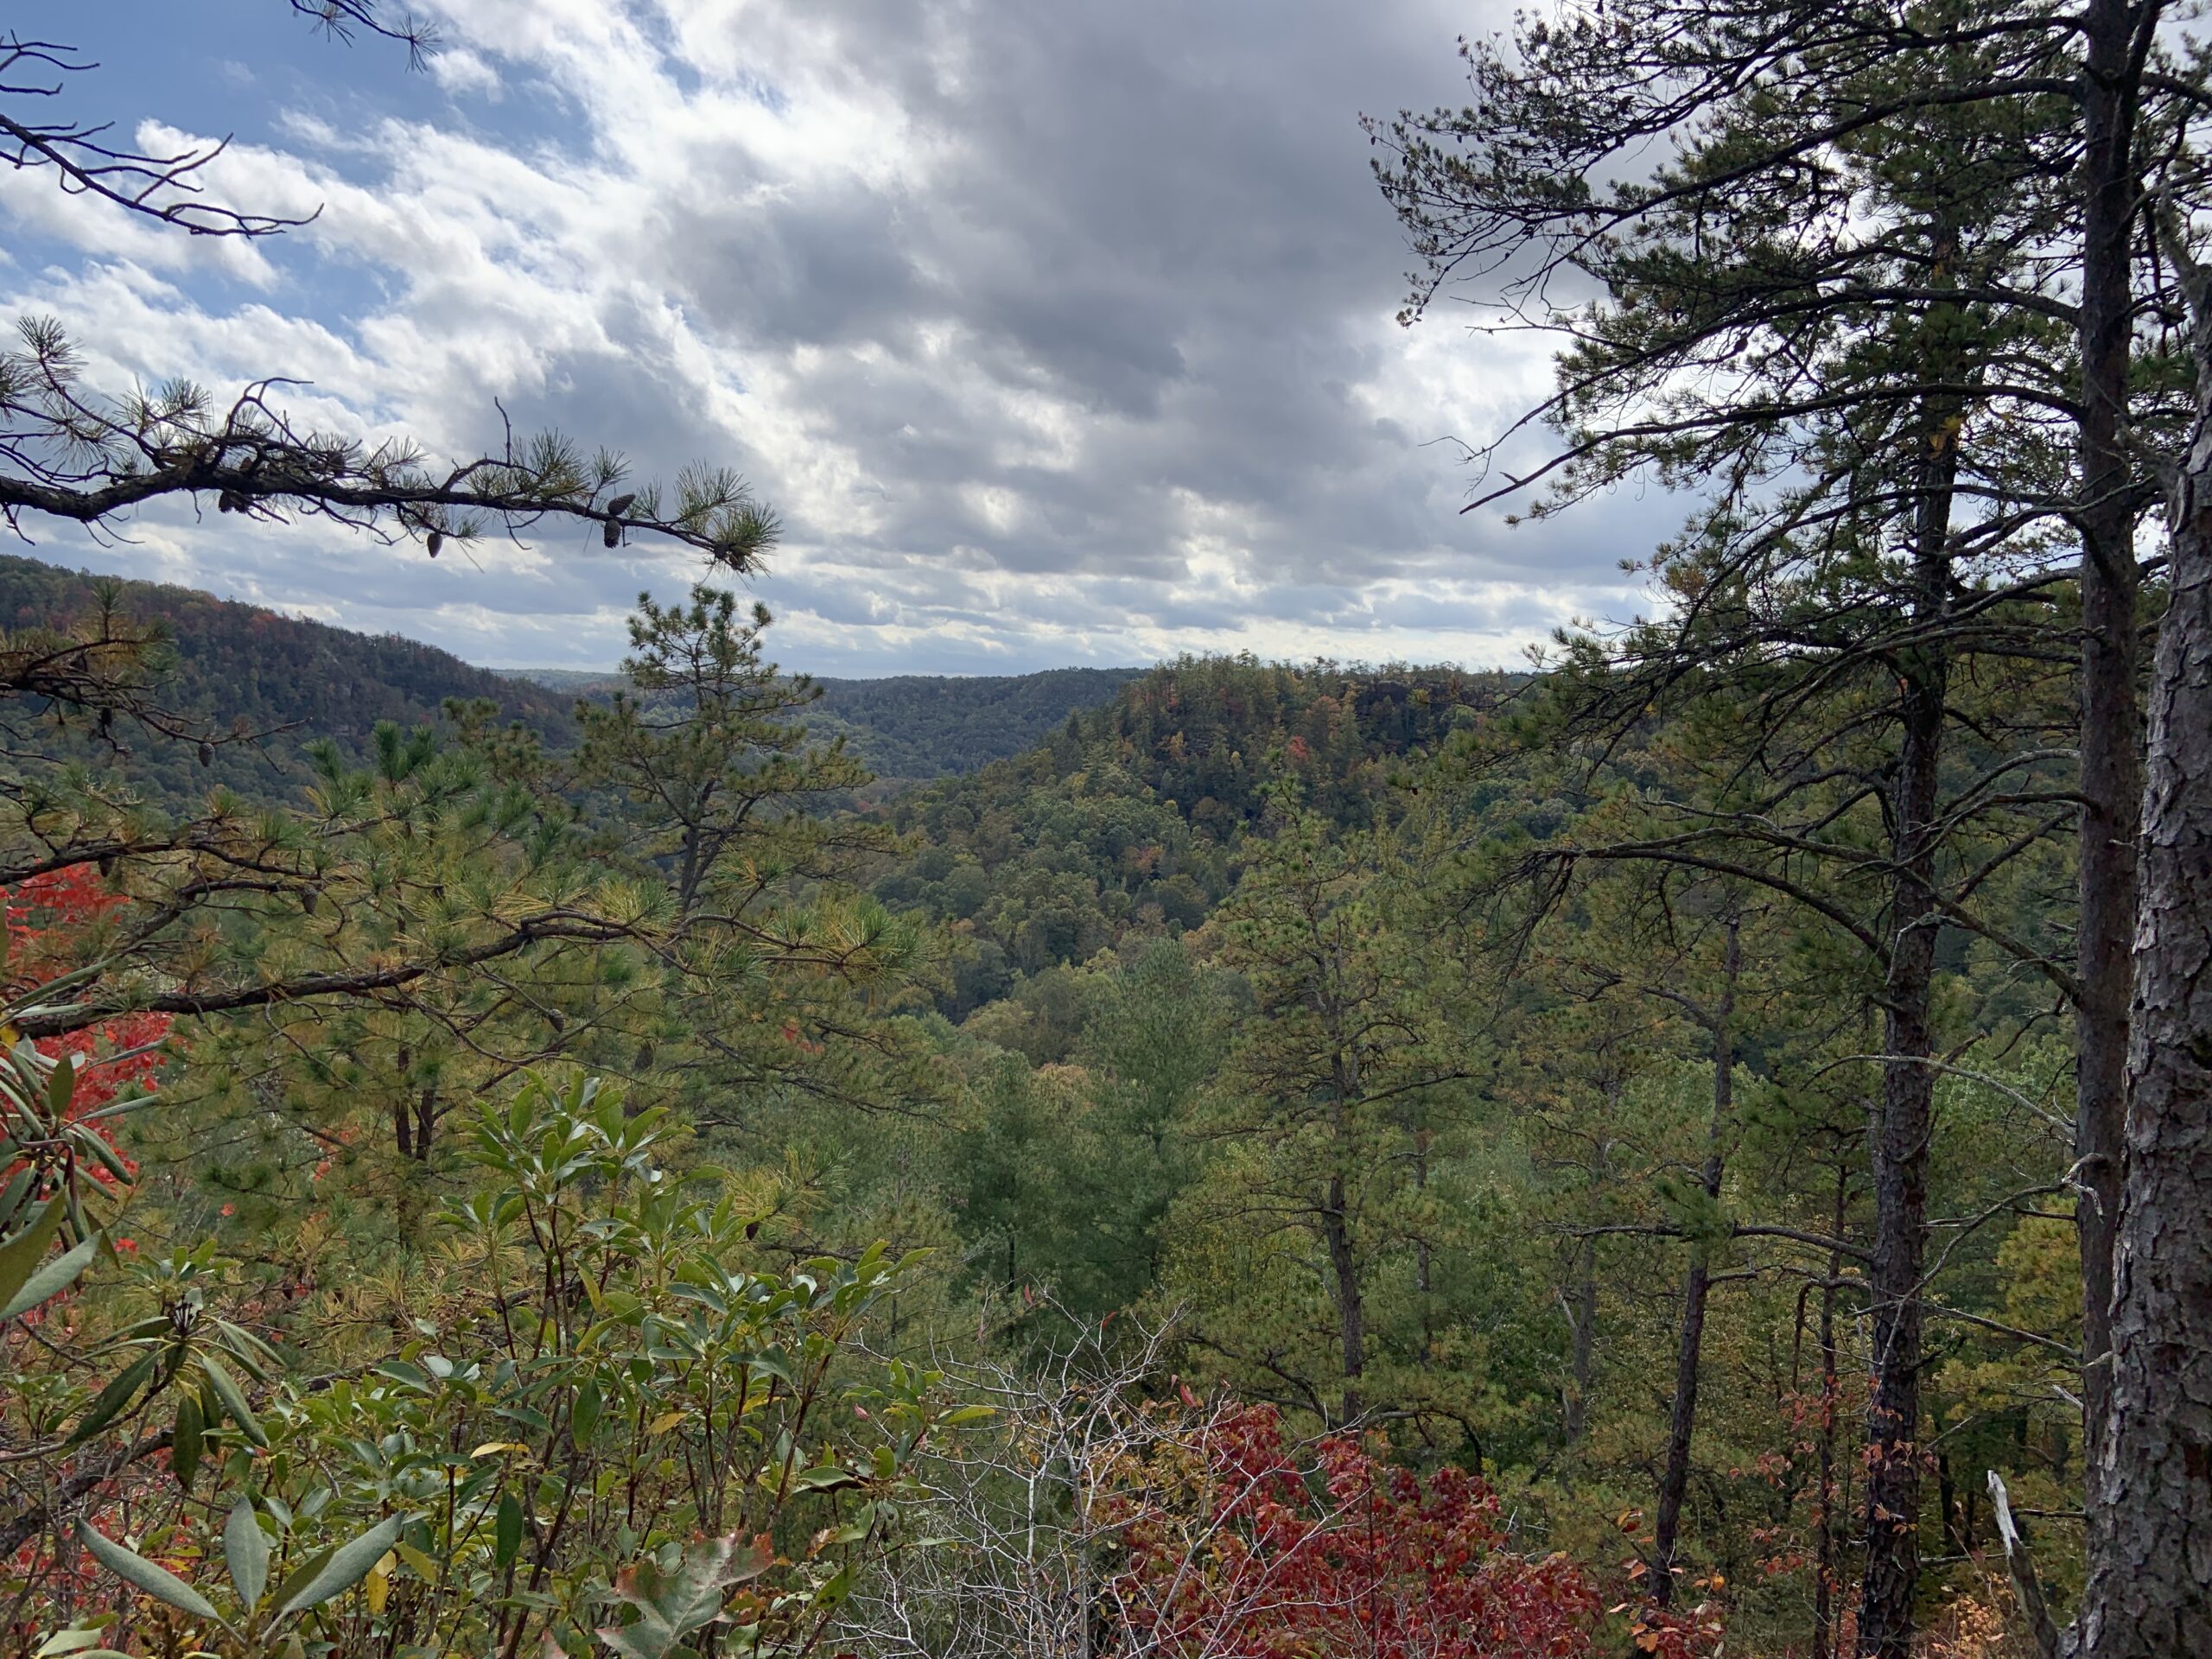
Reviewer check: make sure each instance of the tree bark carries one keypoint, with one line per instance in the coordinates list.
(1351, 1312)
(1892, 1577)
(1675, 1477)
(2150, 1586)
(1697, 1284)
(2111, 730)
(1582, 1344)
(1824, 1577)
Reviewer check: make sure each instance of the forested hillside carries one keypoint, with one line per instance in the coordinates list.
(1703, 1148)
(262, 685)
(249, 673)
(1246, 1011)
(1127, 821)
(910, 726)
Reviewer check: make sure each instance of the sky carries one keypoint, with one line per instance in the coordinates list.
(1057, 331)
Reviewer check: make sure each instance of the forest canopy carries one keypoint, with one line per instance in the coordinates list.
(1695, 1147)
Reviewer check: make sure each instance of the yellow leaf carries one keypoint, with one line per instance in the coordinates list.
(379, 1584)
(491, 1447)
(665, 1421)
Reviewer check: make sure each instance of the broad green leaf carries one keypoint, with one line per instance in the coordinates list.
(347, 1566)
(136, 1570)
(185, 1441)
(250, 1351)
(302, 1575)
(19, 1255)
(233, 1399)
(583, 1417)
(671, 1603)
(52, 1279)
(107, 1156)
(63, 1642)
(507, 1531)
(60, 1085)
(77, 1644)
(245, 1551)
(114, 1397)
(13, 1196)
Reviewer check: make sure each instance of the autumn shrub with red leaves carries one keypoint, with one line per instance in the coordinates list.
(1243, 1544)
(49, 919)
(47, 916)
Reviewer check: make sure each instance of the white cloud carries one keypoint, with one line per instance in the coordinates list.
(1054, 333)
(463, 72)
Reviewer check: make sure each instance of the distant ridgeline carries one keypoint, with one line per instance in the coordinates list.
(919, 726)
(1060, 811)
(240, 666)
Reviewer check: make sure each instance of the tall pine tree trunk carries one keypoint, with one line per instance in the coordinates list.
(1826, 1579)
(1901, 1136)
(2111, 730)
(1351, 1308)
(1697, 1285)
(2150, 1588)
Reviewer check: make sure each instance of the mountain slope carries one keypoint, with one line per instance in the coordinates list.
(1125, 822)
(236, 665)
(239, 665)
(923, 725)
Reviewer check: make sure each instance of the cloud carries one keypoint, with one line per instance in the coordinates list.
(461, 72)
(1056, 333)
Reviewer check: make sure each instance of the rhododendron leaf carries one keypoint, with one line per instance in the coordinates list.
(142, 1575)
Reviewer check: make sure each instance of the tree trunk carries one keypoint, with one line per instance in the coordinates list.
(1675, 1477)
(1582, 1344)
(2150, 1588)
(402, 1125)
(1947, 1507)
(1824, 1577)
(1900, 1141)
(1681, 1423)
(1351, 1312)
(1423, 1291)
(2111, 731)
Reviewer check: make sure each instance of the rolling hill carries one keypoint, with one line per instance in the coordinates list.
(234, 663)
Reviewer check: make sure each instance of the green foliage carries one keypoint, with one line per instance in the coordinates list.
(1286, 1014)
(1066, 1166)
(225, 668)
(612, 1378)
(913, 726)
(680, 1593)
